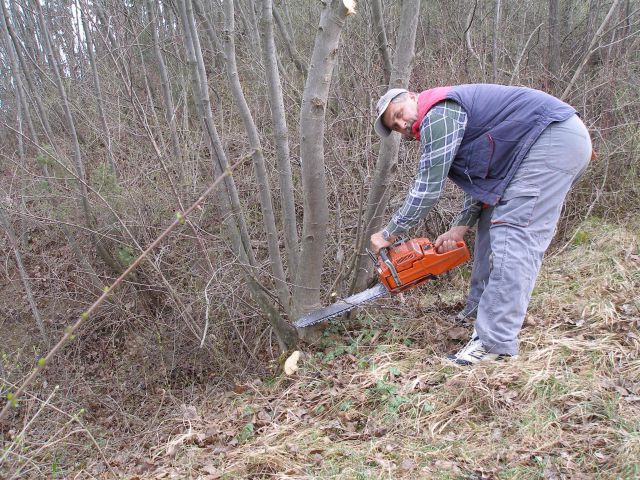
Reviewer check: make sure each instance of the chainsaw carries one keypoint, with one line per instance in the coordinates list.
(403, 266)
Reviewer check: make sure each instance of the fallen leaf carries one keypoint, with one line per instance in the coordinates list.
(189, 412)
(458, 333)
(240, 389)
(291, 364)
(408, 464)
(210, 469)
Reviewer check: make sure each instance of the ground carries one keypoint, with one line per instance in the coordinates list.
(374, 399)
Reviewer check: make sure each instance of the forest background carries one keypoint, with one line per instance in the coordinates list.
(117, 116)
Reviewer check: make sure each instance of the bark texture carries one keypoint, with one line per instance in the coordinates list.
(314, 183)
(281, 136)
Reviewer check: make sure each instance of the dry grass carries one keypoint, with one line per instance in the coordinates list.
(370, 404)
(374, 399)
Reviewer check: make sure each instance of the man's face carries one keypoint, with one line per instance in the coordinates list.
(400, 116)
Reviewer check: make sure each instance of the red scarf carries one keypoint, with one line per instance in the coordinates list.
(426, 100)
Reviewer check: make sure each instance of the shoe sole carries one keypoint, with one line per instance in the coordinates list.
(466, 363)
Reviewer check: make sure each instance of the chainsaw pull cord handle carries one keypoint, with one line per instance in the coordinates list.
(390, 265)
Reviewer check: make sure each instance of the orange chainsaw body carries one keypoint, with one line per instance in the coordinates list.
(416, 261)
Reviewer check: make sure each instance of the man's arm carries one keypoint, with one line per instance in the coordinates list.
(470, 212)
(441, 133)
(466, 219)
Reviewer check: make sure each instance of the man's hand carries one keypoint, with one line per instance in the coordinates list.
(449, 241)
(378, 242)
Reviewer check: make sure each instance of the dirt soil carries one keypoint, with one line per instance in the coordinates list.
(374, 398)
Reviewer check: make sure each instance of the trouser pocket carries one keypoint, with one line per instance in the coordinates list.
(516, 206)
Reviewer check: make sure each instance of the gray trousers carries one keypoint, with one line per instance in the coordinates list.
(513, 235)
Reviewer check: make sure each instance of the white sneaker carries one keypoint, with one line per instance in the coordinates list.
(474, 352)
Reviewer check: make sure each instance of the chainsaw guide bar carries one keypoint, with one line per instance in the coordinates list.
(341, 306)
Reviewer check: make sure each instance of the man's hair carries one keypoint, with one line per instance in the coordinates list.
(400, 98)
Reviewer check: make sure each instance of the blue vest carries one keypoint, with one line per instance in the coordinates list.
(502, 124)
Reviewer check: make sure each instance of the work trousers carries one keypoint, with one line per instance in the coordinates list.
(513, 235)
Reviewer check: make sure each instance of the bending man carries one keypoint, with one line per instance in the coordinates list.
(515, 152)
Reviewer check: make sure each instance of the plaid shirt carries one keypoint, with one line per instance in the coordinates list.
(441, 133)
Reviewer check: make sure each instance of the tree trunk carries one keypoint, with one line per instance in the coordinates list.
(77, 157)
(262, 177)
(230, 202)
(380, 33)
(553, 45)
(496, 35)
(21, 93)
(26, 71)
(169, 109)
(96, 82)
(590, 51)
(312, 123)
(290, 44)
(216, 44)
(388, 154)
(281, 136)
(5, 222)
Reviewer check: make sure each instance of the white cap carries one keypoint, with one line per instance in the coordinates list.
(381, 106)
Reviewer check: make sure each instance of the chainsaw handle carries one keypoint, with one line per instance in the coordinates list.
(385, 258)
(459, 244)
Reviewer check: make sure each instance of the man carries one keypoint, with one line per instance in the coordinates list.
(515, 152)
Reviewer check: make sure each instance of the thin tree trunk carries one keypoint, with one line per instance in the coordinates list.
(290, 44)
(34, 138)
(594, 8)
(467, 37)
(46, 40)
(590, 51)
(26, 71)
(553, 44)
(388, 154)
(4, 221)
(496, 34)
(23, 163)
(516, 68)
(314, 184)
(201, 90)
(169, 109)
(96, 81)
(280, 133)
(262, 177)
(79, 167)
(214, 40)
(230, 203)
(47, 128)
(381, 38)
(253, 24)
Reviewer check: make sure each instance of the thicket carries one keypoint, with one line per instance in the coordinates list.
(81, 199)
